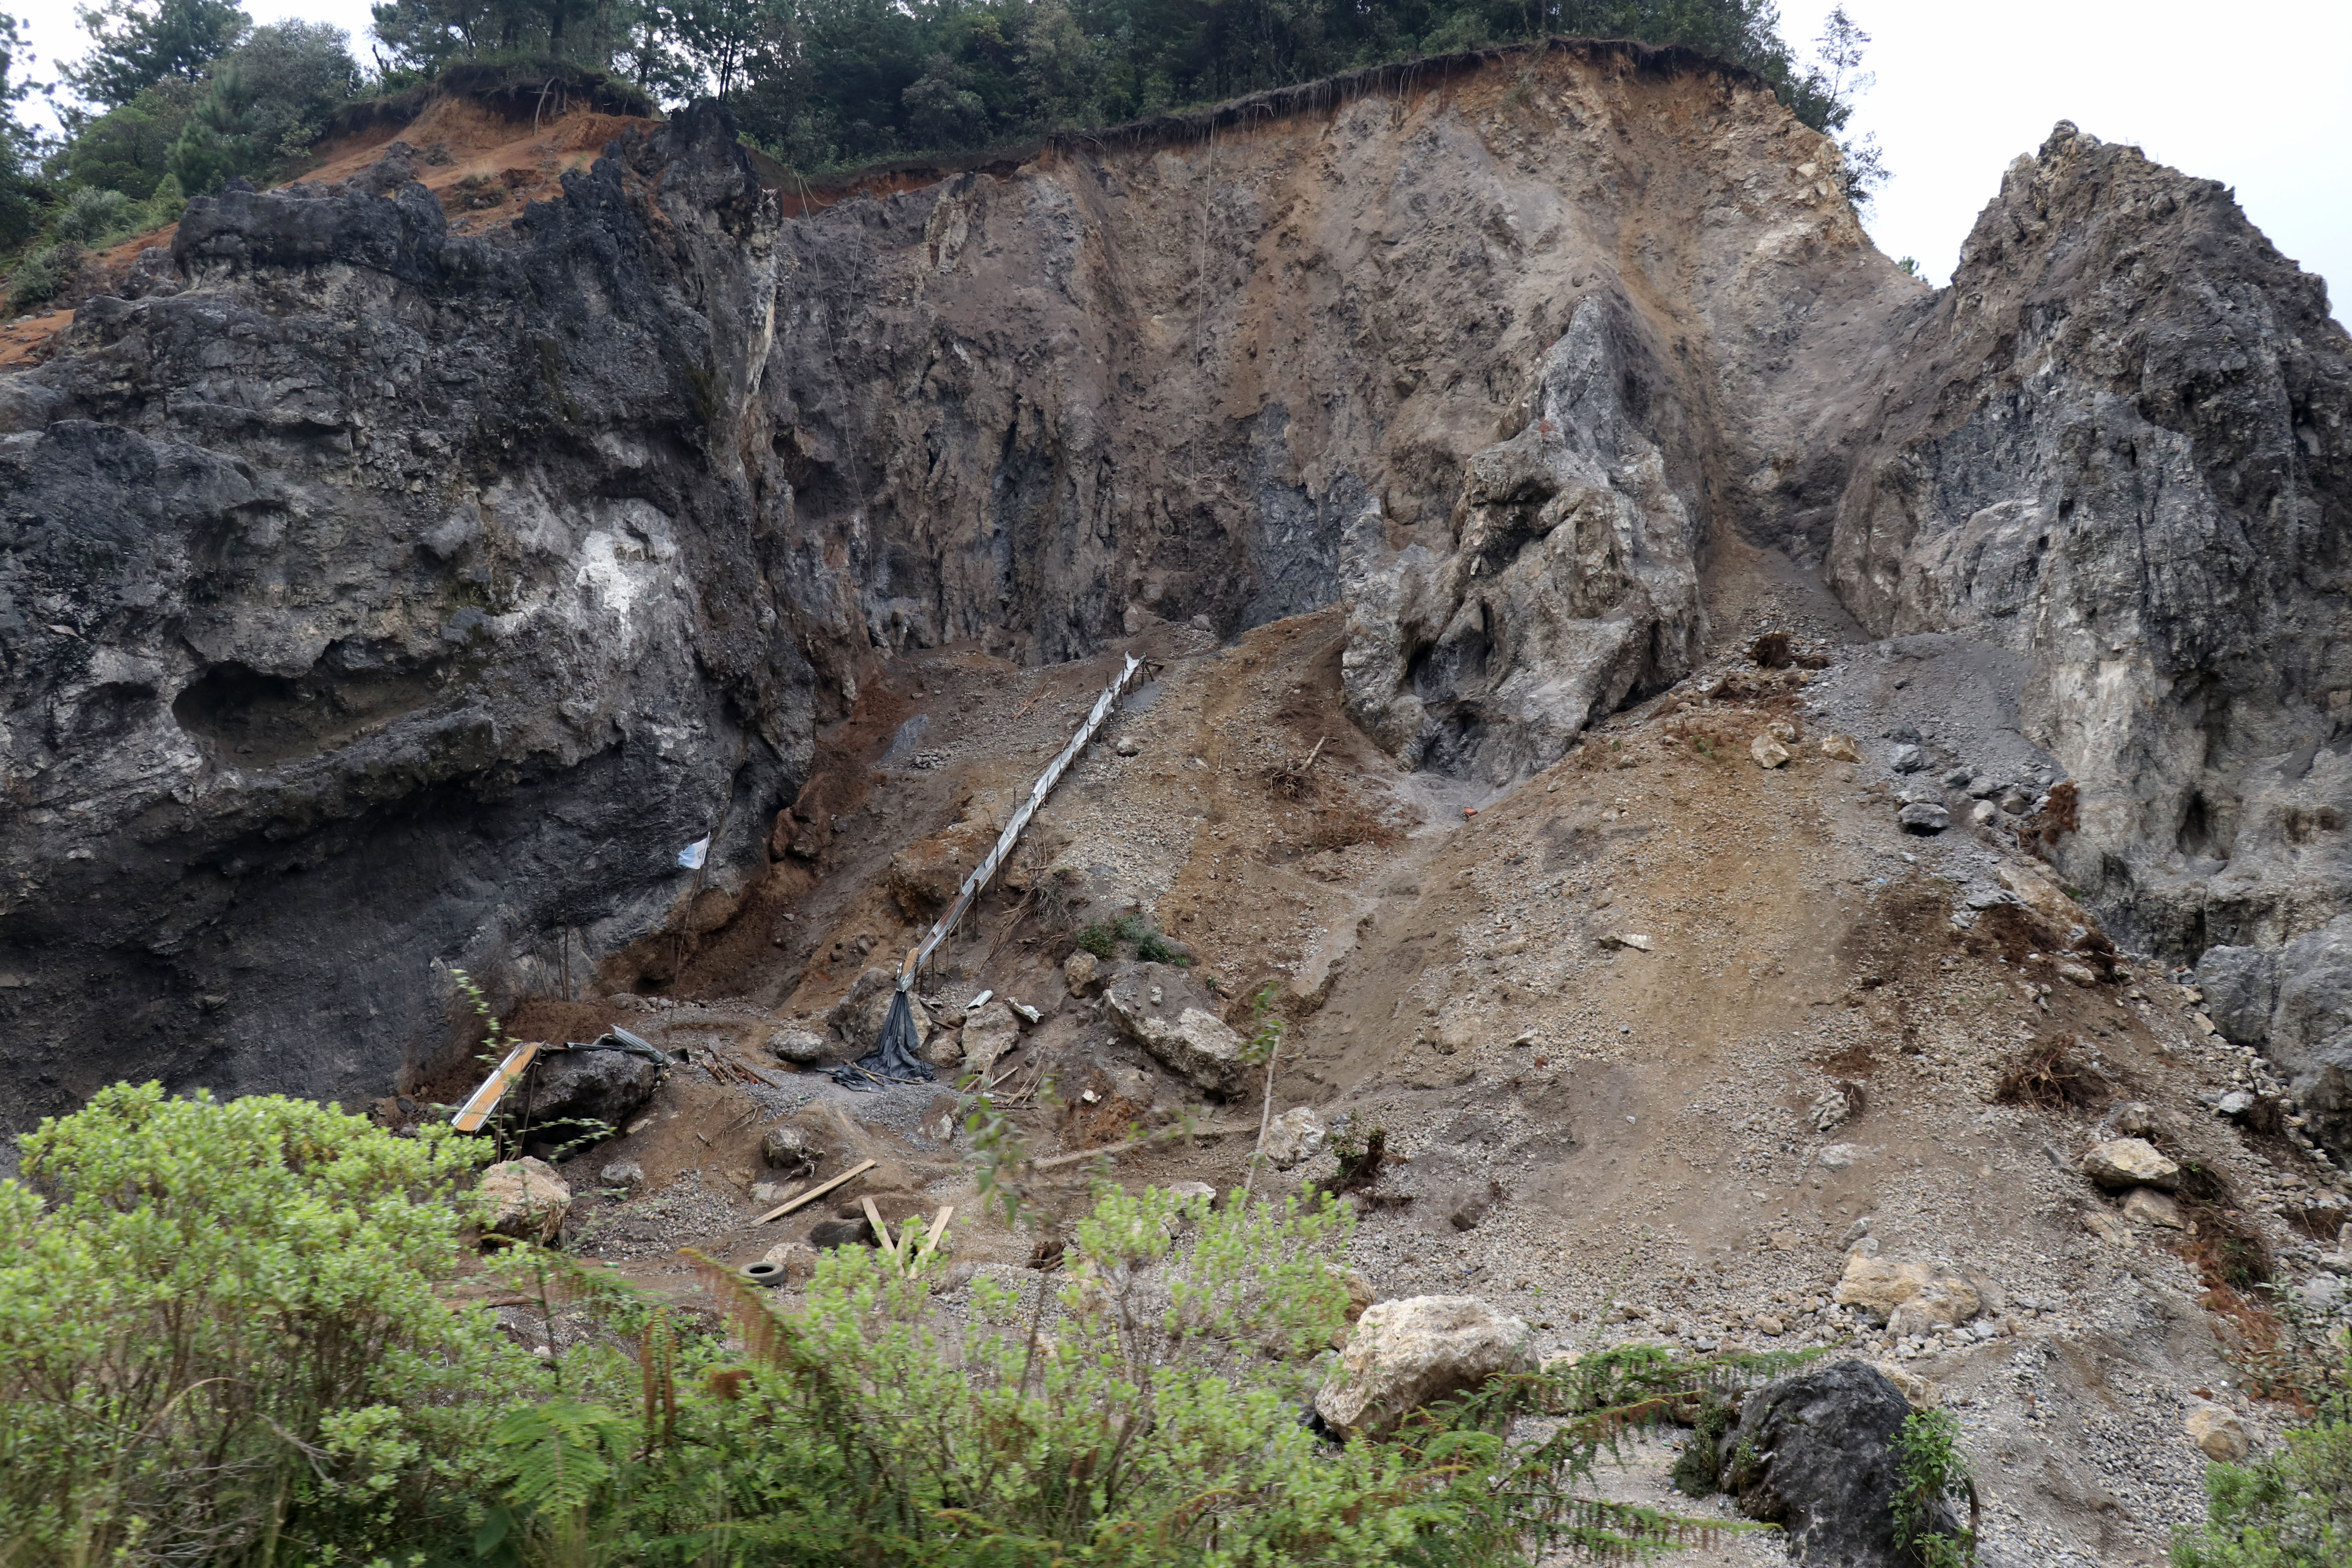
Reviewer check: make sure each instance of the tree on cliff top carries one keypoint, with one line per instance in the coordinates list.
(17, 141)
(134, 45)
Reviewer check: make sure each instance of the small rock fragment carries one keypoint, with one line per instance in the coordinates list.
(796, 1044)
(622, 1174)
(1923, 817)
(2077, 974)
(1293, 1137)
(2130, 1163)
(1841, 749)
(1635, 939)
(1982, 813)
(1079, 973)
(2217, 1433)
(796, 1258)
(2107, 1228)
(523, 1200)
(1838, 1156)
(1768, 752)
(1906, 759)
(988, 1034)
(2146, 1206)
(787, 1148)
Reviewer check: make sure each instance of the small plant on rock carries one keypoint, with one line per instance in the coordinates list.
(1931, 1481)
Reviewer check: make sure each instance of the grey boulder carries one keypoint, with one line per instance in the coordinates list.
(2241, 986)
(1169, 1014)
(574, 1093)
(1810, 1454)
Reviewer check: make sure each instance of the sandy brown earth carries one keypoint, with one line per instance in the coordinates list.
(1617, 1141)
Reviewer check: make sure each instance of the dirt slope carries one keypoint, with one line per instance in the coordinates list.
(1616, 1143)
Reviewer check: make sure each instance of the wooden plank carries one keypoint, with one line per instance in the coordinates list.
(939, 1228)
(881, 1228)
(788, 1205)
(485, 1099)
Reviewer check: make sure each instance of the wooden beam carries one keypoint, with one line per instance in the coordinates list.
(780, 1210)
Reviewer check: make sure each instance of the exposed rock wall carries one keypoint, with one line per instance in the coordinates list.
(1173, 375)
(374, 600)
(2118, 444)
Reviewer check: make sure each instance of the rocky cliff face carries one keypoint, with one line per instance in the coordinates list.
(375, 597)
(2118, 444)
(376, 601)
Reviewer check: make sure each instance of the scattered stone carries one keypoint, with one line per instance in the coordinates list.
(1906, 759)
(1912, 1297)
(944, 1049)
(2217, 1433)
(2130, 1163)
(1767, 1324)
(1923, 817)
(2146, 1206)
(1164, 1010)
(1081, 974)
(790, 1149)
(1128, 746)
(578, 1093)
(1188, 1191)
(988, 1034)
(2236, 1103)
(796, 1258)
(2107, 1228)
(1294, 1138)
(1838, 1156)
(1811, 1454)
(1982, 813)
(1917, 1391)
(2077, 974)
(1781, 731)
(1768, 752)
(768, 1195)
(1841, 749)
(1407, 1354)
(2136, 1118)
(1832, 1107)
(622, 1174)
(1635, 939)
(523, 1200)
(800, 1046)
(1473, 1204)
(839, 1232)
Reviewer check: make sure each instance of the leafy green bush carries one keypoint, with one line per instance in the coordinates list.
(1098, 940)
(219, 1338)
(40, 275)
(222, 1340)
(92, 217)
(2290, 1508)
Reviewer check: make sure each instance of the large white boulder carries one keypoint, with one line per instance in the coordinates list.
(1405, 1354)
(524, 1200)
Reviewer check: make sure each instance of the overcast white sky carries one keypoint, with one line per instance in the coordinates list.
(2257, 95)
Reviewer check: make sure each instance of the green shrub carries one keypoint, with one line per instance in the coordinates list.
(1931, 1481)
(1098, 940)
(219, 1338)
(222, 1341)
(92, 216)
(2290, 1508)
(40, 275)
